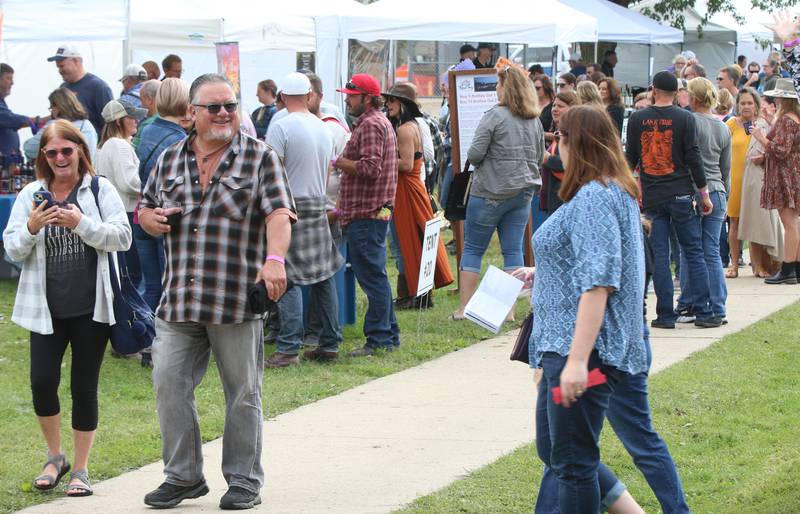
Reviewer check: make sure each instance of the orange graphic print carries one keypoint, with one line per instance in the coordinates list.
(657, 152)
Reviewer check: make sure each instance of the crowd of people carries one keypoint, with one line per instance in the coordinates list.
(206, 200)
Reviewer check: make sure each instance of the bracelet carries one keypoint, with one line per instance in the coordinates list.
(702, 193)
(276, 258)
(790, 44)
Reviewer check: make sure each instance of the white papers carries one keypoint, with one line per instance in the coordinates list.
(493, 300)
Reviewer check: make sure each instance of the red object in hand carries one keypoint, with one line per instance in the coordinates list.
(596, 377)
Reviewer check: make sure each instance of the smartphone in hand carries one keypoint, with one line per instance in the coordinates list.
(748, 127)
(43, 196)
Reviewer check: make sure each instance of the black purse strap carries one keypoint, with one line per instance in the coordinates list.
(112, 269)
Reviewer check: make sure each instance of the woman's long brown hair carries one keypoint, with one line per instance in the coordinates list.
(594, 152)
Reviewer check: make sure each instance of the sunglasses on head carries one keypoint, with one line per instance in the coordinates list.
(230, 107)
(350, 85)
(53, 152)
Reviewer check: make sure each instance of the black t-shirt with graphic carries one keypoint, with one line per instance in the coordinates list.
(71, 270)
(662, 141)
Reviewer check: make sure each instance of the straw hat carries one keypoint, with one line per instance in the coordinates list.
(784, 88)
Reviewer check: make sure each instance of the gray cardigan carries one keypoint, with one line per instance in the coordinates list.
(506, 152)
(714, 140)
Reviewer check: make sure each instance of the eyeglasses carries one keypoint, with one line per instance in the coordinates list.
(562, 84)
(53, 152)
(720, 79)
(230, 107)
(350, 85)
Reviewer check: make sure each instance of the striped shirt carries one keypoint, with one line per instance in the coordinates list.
(219, 245)
(373, 145)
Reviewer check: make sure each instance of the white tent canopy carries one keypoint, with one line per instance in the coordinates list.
(536, 23)
(622, 25)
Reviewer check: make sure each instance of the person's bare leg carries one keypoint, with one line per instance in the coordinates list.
(625, 504)
(791, 235)
(83, 445)
(757, 260)
(733, 243)
(468, 283)
(51, 430)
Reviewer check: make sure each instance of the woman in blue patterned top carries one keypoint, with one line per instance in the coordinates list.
(587, 299)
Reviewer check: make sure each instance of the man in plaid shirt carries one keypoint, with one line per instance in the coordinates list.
(223, 203)
(366, 197)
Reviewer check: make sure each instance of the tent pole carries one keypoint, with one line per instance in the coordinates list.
(126, 45)
(595, 51)
(555, 63)
(649, 60)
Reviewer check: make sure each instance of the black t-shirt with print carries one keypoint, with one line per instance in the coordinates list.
(71, 270)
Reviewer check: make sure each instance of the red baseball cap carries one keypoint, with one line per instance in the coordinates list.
(362, 84)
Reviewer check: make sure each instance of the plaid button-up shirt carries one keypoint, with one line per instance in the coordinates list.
(373, 145)
(216, 251)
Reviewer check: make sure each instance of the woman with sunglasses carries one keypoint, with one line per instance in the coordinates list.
(545, 94)
(64, 294)
(552, 167)
(117, 161)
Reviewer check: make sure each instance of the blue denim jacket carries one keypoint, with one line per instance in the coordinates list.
(156, 137)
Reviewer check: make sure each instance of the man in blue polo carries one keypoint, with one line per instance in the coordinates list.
(91, 90)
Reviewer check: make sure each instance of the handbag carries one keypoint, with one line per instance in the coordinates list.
(520, 351)
(135, 328)
(458, 195)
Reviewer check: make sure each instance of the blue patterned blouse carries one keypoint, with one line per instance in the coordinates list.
(594, 240)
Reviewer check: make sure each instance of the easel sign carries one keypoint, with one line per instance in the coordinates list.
(472, 93)
(430, 247)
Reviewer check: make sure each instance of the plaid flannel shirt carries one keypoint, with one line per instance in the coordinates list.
(219, 246)
(373, 145)
(438, 145)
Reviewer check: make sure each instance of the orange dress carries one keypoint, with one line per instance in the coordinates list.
(412, 209)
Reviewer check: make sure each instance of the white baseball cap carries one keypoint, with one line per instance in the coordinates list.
(65, 51)
(295, 84)
(134, 70)
(575, 56)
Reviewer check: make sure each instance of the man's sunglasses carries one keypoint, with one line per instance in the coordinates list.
(562, 84)
(720, 79)
(230, 107)
(350, 85)
(53, 153)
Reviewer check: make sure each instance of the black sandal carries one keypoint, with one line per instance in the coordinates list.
(84, 488)
(62, 466)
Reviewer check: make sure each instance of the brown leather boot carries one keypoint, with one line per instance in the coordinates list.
(403, 300)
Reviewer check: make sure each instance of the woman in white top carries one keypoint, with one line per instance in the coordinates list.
(117, 161)
(64, 105)
(61, 233)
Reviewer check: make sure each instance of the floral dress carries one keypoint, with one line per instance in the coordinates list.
(782, 167)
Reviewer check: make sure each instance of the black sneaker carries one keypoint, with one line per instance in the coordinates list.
(147, 360)
(169, 495)
(712, 322)
(660, 323)
(239, 498)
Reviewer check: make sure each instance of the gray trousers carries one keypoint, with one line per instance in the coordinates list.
(180, 357)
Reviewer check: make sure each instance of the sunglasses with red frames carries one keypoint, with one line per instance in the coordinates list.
(53, 152)
(230, 107)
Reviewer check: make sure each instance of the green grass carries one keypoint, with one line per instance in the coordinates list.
(128, 435)
(730, 414)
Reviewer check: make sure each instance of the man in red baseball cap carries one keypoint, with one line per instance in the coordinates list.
(366, 199)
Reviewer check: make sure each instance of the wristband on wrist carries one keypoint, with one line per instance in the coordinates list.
(794, 42)
(704, 193)
(276, 258)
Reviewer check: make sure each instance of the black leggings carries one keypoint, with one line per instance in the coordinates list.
(88, 339)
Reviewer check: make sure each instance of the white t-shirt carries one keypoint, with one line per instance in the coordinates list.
(305, 146)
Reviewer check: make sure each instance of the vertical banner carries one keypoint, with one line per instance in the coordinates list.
(228, 64)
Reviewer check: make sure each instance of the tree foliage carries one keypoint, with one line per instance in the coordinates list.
(671, 11)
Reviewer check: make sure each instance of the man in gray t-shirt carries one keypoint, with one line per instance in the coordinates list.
(305, 145)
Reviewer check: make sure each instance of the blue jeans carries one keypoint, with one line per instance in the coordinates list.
(394, 244)
(572, 436)
(366, 242)
(323, 301)
(152, 260)
(508, 216)
(712, 227)
(679, 213)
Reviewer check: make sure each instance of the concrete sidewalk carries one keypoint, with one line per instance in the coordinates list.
(379, 446)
